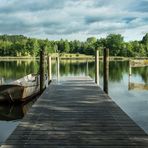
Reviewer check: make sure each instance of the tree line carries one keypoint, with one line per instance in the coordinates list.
(19, 45)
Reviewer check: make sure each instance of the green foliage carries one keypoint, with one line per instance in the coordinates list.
(19, 45)
(77, 54)
(145, 39)
(12, 38)
(91, 40)
(115, 44)
(66, 47)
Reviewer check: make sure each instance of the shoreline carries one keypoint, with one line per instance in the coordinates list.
(73, 58)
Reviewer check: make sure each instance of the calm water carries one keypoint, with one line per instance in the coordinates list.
(134, 101)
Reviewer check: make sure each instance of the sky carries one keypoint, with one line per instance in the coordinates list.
(74, 19)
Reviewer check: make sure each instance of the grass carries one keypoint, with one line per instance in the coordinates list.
(145, 61)
(69, 56)
(72, 56)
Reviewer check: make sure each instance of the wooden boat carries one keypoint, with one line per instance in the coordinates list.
(9, 112)
(20, 90)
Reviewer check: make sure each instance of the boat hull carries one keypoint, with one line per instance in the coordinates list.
(10, 93)
(20, 90)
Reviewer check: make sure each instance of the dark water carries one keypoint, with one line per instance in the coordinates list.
(133, 101)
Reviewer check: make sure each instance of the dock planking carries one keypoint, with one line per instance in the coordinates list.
(76, 113)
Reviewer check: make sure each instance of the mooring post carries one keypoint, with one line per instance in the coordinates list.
(42, 70)
(97, 67)
(2, 81)
(49, 68)
(105, 70)
(129, 77)
(58, 67)
(130, 69)
(87, 71)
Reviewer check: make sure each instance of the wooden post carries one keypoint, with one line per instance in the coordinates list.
(58, 68)
(42, 70)
(129, 82)
(49, 68)
(129, 77)
(106, 70)
(130, 69)
(97, 67)
(1, 81)
(87, 71)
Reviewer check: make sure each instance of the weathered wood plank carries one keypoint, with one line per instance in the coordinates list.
(76, 113)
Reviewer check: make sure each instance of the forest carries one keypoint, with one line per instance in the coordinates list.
(19, 45)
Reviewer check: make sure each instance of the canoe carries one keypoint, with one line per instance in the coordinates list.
(20, 90)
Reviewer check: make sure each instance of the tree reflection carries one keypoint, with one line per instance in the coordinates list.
(11, 70)
(142, 71)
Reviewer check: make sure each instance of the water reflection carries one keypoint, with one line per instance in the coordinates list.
(1, 81)
(11, 70)
(10, 112)
(133, 85)
(134, 103)
(137, 86)
(10, 116)
(75, 67)
(117, 69)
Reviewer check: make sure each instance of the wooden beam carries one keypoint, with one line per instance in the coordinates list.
(97, 67)
(105, 69)
(42, 70)
(49, 68)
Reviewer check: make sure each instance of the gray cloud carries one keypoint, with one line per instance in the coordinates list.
(31, 5)
(140, 6)
(129, 19)
(76, 18)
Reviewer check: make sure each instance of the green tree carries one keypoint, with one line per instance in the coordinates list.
(115, 44)
(66, 47)
(91, 40)
(145, 43)
(32, 46)
(145, 39)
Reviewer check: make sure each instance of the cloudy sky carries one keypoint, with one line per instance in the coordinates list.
(74, 19)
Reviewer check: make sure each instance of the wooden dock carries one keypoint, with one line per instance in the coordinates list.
(76, 113)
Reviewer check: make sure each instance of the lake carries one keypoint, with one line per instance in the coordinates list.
(130, 93)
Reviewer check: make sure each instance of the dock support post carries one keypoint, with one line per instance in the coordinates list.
(58, 67)
(129, 77)
(42, 70)
(130, 69)
(1, 81)
(105, 69)
(49, 68)
(87, 71)
(97, 67)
